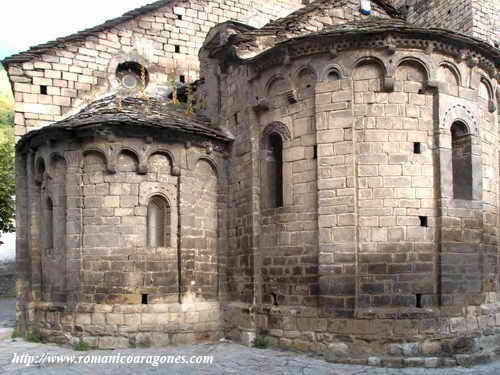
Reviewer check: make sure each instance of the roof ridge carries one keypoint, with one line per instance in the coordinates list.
(39, 49)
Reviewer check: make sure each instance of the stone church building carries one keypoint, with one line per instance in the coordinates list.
(330, 184)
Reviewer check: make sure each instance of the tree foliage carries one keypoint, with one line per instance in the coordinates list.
(7, 156)
(7, 180)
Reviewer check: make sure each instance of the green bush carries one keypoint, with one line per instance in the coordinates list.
(261, 342)
(81, 347)
(7, 180)
(34, 336)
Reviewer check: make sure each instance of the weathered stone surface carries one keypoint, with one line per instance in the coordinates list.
(335, 194)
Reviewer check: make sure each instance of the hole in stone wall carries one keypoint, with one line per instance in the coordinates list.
(182, 78)
(177, 49)
(144, 300)
(274, 298)
(417, 148)
(423, 221)
(418, 303)
(179, 16)
(315, 152)
(236, 120)
(43, 90)
(421, 91)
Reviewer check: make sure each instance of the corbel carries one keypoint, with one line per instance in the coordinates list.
(390, 45)
(262, 105)
(209, 148)
(472, 61)
(429, 49)
(291, 96)
(111, 156)
(461, 56)
(333, 51)
(287, 60)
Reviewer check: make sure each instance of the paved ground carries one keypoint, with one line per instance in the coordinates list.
(228, 359)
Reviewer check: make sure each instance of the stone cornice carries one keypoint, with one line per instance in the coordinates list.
(333, 42)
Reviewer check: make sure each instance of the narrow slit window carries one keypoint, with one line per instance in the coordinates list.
(158, 223)
(423, 221)
(144, 299)
(274, 166)
(417, 148)
(461, 149)
(182, 78)
(49, 224)
(177, 49)
(418, 303)
(179, 16)
(43, 90)
(315, 152)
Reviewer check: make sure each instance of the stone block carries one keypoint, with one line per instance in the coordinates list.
(111, 342)
(374, 361)
(45, 109)
(336, 351)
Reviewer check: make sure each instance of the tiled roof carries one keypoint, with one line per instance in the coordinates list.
(281, 23)
(150, 113)
(82, 35)
(293, 20)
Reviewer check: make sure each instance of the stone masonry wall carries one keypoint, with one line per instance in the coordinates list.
(8, 279)
(109, 277)
(65, 78)
(398, 255)
(486, 15)
(478, 18)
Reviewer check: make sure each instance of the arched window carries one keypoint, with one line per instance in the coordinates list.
(274, 170)
(158, 222)
(49, 224)
(461, 147)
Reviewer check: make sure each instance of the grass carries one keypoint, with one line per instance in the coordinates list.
(34, 336)
(261, 342)
(81, 347)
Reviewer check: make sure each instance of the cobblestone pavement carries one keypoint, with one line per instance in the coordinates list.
(7, 312)
(228, 359)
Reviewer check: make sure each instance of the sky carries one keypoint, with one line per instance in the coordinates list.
(28, 23)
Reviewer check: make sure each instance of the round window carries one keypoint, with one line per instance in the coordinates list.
(132, 75)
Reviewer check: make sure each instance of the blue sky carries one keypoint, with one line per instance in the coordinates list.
(28, 23)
